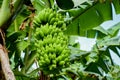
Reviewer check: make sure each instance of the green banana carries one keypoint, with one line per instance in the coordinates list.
(52, 15)
(51, 43)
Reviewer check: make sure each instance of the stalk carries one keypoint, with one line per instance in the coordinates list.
(27, 53)
(5, 12)
(9, 75)
(9, 11)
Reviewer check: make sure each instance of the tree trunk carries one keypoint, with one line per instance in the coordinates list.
(1, 74)
(5, 66)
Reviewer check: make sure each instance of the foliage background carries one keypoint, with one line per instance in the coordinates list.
(83, 18)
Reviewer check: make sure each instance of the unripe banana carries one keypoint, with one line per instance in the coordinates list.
(46, 16)
(41, 57)
(42, 15)
(49, 16)
(52, 21)
(54, 61)
(61, 62)
(51, 43)
(52, 15)
(60, 23)
(47, 60)
(37, 21)
(53, 56)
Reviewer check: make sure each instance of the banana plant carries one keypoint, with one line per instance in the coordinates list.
(82, 18)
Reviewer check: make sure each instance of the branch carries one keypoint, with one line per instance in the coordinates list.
(5, 64)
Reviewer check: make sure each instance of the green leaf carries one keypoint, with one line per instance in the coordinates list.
(22, 45)
(102, 30)
(79, 3)
(73, 28)
(102, 62)
(72, 39)
(91, 58)
(75, 11)
(13, 37)
(114, 49)
(15, 45)
(66, 4)
(21, 76)
(87, 19)
(113, 31)
(38, 5)
(104, 10)
(76, 53)
(34, 72)
(108, 42)
(116, 4)
(90, 33)
(115, 72)
(93, 68)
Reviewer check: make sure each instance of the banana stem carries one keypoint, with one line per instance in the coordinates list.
(9, 11)
(5, 12)
(9, 75)
(27, 53)
(31, 61)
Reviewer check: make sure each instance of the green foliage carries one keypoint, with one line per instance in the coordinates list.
(117, 6)
(58, 56)
(21, 76)
(16, 47)
(83, 20)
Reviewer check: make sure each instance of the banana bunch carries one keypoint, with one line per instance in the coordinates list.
(52, 48)
(48, 16)
(51, 43)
